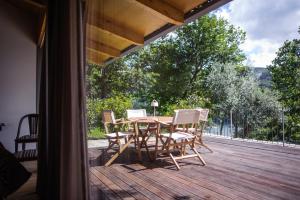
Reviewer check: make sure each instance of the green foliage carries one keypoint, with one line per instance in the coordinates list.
(189, 68)
(118, 103)
(170, 70)
(285, 71)
(180, 60)
(96, 133)
(251, 105)
(192, 101)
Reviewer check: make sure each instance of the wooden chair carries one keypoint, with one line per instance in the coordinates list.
(114, 134)
(198, 130)
(203, 119)
(144, 131)
(32, 137)
(179, 140)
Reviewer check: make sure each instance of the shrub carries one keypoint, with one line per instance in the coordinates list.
(192, 101)
(118, 103)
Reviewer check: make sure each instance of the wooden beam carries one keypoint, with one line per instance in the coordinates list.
(162, 10)
(29, 5)
(95, 57)
(42, 29)
(35, 6)
(110, 26)
(103, 48)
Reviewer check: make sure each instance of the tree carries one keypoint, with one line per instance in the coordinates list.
(117, 78)
(182, 59)
(285, 71)
(229, 89)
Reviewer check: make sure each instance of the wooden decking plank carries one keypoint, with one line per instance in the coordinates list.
(221, 178)
(260, 163)
(122, 183)
(110, 185)
(107, 194)
(281, 187)
(246, 181)
(265, 162)
(259, 154)
(143, 186)
(256, 145)
(236, 170)
(252, 160)
(154, 183)
(183, 191)
(215, 187)
(278, 189)
(199, 191)
(163, 183)
(248, 167)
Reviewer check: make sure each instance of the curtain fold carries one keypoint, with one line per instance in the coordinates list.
(62, 162)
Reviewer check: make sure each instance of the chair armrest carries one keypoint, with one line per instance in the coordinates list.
(119, 120)
(124, 122)
(164, 123)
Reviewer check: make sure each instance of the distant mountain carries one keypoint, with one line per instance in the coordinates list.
(263, 75)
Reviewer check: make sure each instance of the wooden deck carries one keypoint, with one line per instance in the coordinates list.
(235, 170)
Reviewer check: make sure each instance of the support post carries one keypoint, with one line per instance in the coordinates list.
(231, 123)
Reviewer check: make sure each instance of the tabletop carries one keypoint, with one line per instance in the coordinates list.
(152, 119)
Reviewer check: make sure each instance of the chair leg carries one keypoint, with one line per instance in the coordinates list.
(118, 153)
(144, 144)
(207, 147)
(198, 155)
(174, 161)
(200, 141)
(110, 145)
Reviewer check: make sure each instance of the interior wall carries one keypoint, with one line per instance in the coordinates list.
(17, 70)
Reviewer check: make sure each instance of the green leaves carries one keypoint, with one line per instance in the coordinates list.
(118, 103)
(230, 89)
(285, 71)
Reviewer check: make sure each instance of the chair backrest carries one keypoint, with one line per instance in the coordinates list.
(136, 113)
(203, 114)
(33, 120)
(186, 116)
(108, 116)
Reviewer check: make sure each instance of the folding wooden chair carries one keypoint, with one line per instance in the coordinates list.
(144, 131)
(198, 128)
(179, 140)
(114, 137)
(202, 124)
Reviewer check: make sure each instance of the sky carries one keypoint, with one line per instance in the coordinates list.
(267, 23)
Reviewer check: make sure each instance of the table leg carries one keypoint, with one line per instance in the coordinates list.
(138, 142)
(157, 132)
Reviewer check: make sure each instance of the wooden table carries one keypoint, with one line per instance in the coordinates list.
(150, 120)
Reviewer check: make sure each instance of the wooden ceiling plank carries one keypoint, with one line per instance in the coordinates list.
(42, 30)
(35, 6)
(110, 26)
(94, 56)
(100, 47)
(162, 10)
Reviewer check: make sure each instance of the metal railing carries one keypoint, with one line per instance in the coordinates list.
(235, 126)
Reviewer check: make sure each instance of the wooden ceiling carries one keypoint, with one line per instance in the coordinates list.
(117, 27)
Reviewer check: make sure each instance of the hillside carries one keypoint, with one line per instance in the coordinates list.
(263, 75)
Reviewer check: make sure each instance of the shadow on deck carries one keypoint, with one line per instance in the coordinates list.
(235, 170)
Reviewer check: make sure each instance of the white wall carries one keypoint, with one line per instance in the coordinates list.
(17, 70)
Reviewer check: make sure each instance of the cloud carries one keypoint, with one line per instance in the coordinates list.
(268, 24)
